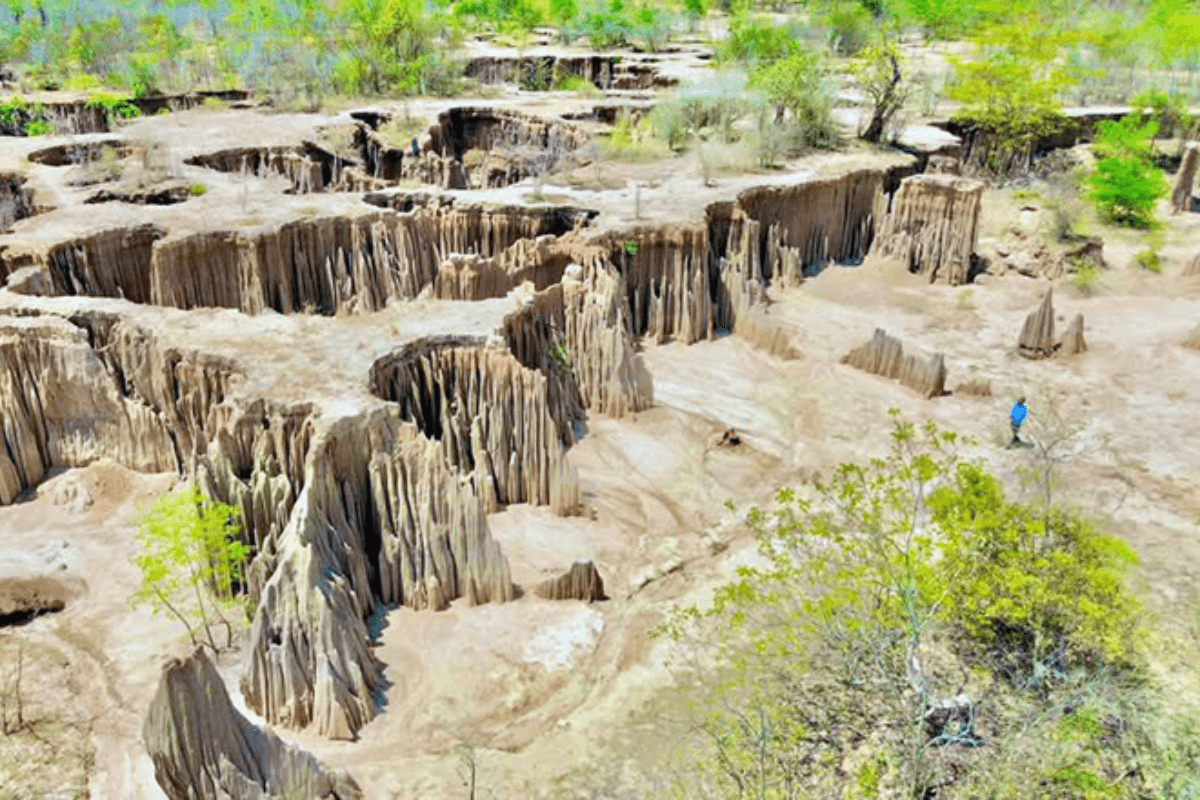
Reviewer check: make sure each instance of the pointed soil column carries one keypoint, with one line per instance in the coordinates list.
(581, 582)
(933, 226)
(884, 356)
(1037, 336)
(1185, 179)
(1072, 342)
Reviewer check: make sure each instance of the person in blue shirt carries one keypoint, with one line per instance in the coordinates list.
(1018, 416)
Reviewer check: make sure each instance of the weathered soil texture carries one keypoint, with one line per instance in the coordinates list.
(480, 439)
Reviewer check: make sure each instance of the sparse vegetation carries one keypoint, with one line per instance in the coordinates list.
(197, 190)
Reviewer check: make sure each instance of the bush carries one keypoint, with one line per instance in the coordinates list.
(797, 88)
(698, 109)
(849, 27)
(905, 613)
(757, 41)
(197, 190)
(39, 127)
(1085, 279)
(1125, 189)
(1148, 260)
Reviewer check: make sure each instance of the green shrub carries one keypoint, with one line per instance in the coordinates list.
(797, 88)
(697, 110)
(849, 27)
(39, 127)
(1085, 279)
(1125, 189)
(197, 190)
(608, 26)
(1149, 260)
(757, 41)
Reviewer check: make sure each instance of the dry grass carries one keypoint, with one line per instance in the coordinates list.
(46, 745)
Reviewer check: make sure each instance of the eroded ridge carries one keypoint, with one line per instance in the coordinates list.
(933, 226)
(202, 747)
(327, 265)
(492, 415)
(383, 518)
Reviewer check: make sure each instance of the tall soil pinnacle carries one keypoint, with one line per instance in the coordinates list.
(1185, 179)
(1037, 336)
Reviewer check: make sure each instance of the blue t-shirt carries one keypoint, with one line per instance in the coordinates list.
(1018, 414)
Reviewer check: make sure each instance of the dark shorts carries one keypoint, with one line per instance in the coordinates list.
(1016, 426)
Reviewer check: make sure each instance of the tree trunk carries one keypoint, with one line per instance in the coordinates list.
(885, 105)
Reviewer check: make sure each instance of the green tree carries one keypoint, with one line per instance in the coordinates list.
(1007, 94)
(192, 562)
(797, 88)
(877, 71)
(1126, 185)
(906, 608)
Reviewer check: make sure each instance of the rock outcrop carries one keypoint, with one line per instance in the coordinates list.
(1072, 342)
(884, 356)
(204, 749)
(581, 582)
(933, 226)
(1037, 335)
(1185, 179)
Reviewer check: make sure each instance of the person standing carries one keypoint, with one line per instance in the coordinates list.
(1019, 411)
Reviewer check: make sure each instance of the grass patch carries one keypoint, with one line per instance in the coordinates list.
(197, 190)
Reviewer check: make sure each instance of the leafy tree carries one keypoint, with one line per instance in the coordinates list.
(191, 546)
(796, 86)
(1126, 184)
(878, 73)
(906, 613)
(756, 40)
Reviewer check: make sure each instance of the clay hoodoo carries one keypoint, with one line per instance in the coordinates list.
(1072, 342)
(202, 747)
(1037, 336)
(16, 200)
(607, 72)
(492, 416)
(581, 582)
(884, 355)
(933, 226)
(976, 387)
(826, 220)
(1192, 340)
(382, 519)
(587, 314)
(670, 282)
(59, 406)
(1185, 179)
(1192, 268)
